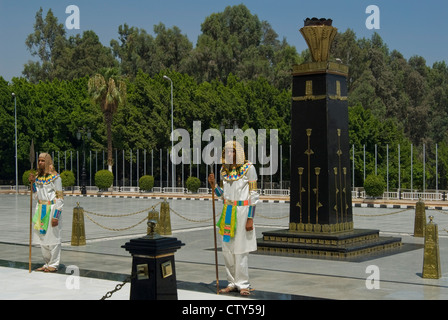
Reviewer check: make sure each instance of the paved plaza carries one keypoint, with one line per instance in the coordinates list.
(102, 263)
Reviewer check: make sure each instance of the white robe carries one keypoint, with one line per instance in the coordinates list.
(47, 191)
(238, 190)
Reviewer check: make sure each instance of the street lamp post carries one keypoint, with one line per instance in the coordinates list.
(81, 135)
(172, 130)
(15, 130)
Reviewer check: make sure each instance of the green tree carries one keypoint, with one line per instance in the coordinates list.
(236, 42)
(6, 129)
(139, 50)
(172, 48)
(48, 34)
(82, 56)
(346, 47)
(366, 130)
(109, 92)
(135, 50)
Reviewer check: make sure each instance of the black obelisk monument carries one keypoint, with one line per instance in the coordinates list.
(320, 194)
(320, 217)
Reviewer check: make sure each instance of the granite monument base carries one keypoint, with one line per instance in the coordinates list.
(340, 245)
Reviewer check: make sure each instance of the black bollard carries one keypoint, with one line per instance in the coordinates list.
(153, 269)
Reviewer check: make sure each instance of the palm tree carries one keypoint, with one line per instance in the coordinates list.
(109, 91)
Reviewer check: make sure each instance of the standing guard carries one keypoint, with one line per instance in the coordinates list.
(46, 222)
(236, 222)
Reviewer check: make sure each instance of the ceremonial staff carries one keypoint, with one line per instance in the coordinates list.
(32, 158)
(214, 234)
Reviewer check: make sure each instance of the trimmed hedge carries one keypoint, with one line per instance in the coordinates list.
(374, 185)
(68, 178)
(104, 179)
(25, 177)
(193, 184)
(146, 183)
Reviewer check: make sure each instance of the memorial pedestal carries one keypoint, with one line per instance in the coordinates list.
(153, 268)
(343, 245)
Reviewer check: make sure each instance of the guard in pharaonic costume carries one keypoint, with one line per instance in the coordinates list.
(47, 188)
(236, 225)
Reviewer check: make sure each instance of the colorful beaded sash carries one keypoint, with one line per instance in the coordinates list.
(42, 217)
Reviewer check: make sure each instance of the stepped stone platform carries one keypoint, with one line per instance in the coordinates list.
(346, 244)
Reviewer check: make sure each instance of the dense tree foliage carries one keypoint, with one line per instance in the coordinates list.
(62, 58)
(109, 92)
(238, 71)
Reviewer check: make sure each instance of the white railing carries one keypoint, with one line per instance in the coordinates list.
(276, 192)
(440, 195)
(200, 191)
(390, 195)
(130, 189)
(357, 193)
(13, 188)
(204, 190)
(173, 190)
(429, 196)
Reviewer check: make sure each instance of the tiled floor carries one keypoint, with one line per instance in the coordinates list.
(103, 263)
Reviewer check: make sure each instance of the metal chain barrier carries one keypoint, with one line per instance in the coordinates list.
(271, 218)
(390, 213)
(86, 212)
(123, 215)
(444, 212)
(210, 219)
(117, 288)
(188, 219)
(381, 214)
(116, 229)
(385, 214)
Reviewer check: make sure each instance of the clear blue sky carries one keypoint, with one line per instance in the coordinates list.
(411, 27)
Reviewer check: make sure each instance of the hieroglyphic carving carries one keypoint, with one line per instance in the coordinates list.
(309, 152)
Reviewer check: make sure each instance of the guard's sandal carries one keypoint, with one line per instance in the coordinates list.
(228, 290)
(51, 269)
(245, 292)
(43, 269)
